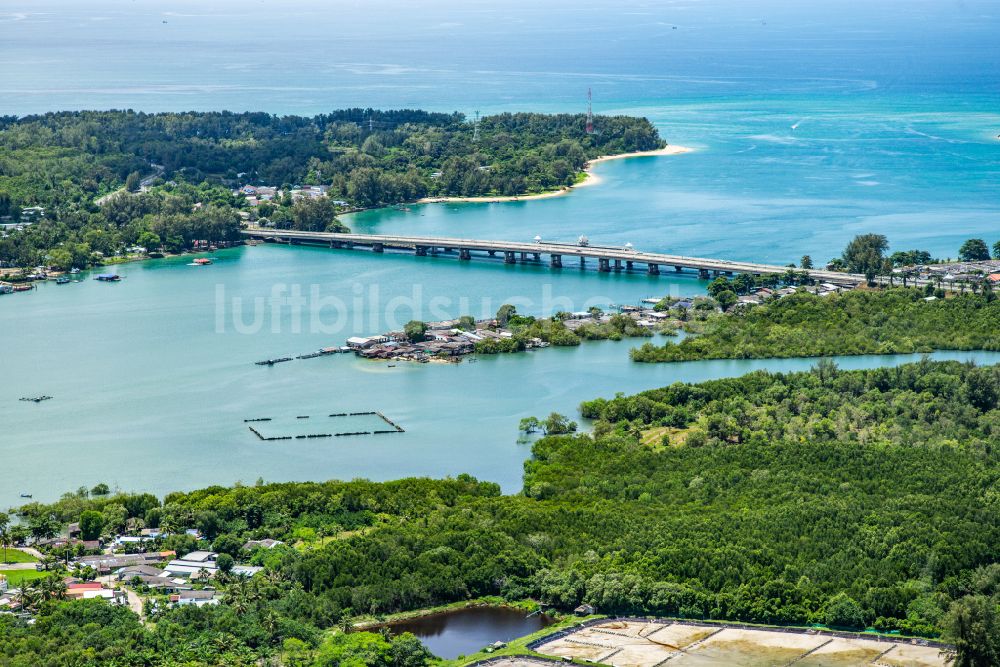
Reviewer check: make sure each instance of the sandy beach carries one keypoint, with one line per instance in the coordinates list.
(591, 179)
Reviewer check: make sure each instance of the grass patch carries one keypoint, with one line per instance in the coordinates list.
(654, 437)
(17, 556)
(17, 577)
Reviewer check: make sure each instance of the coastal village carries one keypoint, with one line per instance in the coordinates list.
(131, 568)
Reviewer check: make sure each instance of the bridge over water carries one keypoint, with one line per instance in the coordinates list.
(609, 259)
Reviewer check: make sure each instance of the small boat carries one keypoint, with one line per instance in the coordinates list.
(25, 495)
(392, 365)
(62, 280)
(22, 288)
(202, 261)
(74, 271)
(108, 277)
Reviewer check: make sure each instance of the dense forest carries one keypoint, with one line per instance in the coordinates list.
(891, 321)
(848, 498)
(66, 162)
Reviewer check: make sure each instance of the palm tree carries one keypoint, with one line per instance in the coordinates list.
(29, 597)
(52, 588)
(4, 535)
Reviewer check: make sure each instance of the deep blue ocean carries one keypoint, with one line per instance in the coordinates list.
(813, 121)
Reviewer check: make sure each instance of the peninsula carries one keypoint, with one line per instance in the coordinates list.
(134, 183)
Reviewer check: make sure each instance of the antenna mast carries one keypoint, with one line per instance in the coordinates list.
(590, 112)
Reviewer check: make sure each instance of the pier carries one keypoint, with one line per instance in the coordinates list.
(607, 259)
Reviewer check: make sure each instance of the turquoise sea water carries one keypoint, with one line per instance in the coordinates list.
(148, 394)
(895, 108)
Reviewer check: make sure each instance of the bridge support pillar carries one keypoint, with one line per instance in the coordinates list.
(538, 256)
(508, 257)
(464, 253)
(583, 262)
(556, 261)
(421, 251)
(703, 274)
(491, 253)
(678, 269)
(729, 273)
(333, 244)
(628, 265)
(378, 247)
(603, 265)
(292, 242)
(618, 265)
(653, 269)
(524, 257)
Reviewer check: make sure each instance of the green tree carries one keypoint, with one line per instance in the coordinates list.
(467, 323)
(974, 250)
(842, 611)
(316, 215)
(720, 284)
(91, 524)
(100, 490)
(557, 424)
(44, 526)
(415, 330)
(865, 254)
(806, 262)
(225, 563)
(61, 259)
(972, 625)
(227, 543)
(115, 516)
(529, 425)
(504, 313)
(149, 241)
(996, 250)
(742, 284)
(726, 299)
(133, 181)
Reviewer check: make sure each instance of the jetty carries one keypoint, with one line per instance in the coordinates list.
(272, 362)
(608, 259)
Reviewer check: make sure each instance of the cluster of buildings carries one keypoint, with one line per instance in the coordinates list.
(445, 340)
(126, 562)
(28, 216)
(442, 340)
(954, 273)
(767, 293)
(257, 194)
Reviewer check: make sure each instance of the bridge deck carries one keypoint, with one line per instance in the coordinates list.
(544, 248)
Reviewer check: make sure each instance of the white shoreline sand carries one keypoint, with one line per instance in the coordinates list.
(591, 179)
